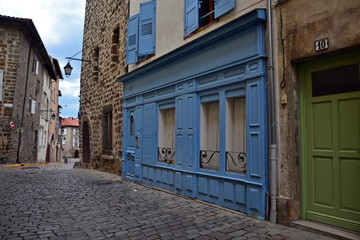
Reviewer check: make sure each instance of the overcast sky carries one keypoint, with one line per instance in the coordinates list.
(60, 25)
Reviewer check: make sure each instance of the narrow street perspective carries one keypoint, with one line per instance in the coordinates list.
(180, 119)
(57, 202)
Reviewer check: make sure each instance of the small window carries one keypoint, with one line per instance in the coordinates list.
(75, 131)
(35, 66)
(115, 47)
(63, 141)
(236, 135)
(75, 142)
(336, 80)
(199, 13)
(107, 132)
(131, 124)
(64, 131)
(209, 139)
(32, 106)
(166, 144)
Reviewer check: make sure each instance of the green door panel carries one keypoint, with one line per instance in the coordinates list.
(330, 145)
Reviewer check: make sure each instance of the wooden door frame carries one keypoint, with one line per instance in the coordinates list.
(315, 65)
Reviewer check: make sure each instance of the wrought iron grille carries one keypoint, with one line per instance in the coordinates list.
(166, 154)
(236, 162)
(209, 159)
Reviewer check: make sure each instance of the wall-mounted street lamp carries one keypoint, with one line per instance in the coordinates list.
(53, 116)
(68, 68)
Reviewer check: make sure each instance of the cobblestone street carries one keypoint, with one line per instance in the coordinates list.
(57, 202)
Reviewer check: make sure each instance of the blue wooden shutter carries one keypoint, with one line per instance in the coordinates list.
(191, 16)
(223, 6)
(149, 134)
(147, 28)
(132, 39)
(185, 144)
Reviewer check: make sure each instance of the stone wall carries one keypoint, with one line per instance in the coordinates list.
(15, 61)
(104, 45)
(299, 24)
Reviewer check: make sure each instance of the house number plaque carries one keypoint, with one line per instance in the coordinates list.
(321, 44)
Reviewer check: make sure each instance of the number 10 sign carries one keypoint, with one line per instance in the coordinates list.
(321, 44)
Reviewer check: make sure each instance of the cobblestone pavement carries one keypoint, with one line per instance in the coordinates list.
(57, 202)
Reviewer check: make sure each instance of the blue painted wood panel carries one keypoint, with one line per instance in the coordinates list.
(233, 67)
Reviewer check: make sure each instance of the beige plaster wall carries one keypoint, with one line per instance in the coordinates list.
(170, 24)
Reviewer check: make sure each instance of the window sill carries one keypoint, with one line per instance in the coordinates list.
(143, 60)
(107, 157)
(201, 29)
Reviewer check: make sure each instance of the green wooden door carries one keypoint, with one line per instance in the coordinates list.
(331, 141)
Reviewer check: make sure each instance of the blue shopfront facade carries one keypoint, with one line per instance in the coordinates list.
(195, 120)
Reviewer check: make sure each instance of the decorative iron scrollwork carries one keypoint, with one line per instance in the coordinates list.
(166, 154)
(207, 157)
(239, 164)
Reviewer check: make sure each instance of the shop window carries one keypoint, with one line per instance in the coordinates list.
(236, 135)
(107, 132)
(199, 13)
(141, 33)
(209, 139)
(166, 144)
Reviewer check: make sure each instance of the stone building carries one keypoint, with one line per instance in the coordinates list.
(317, 57)
(55, 124)
(24, 62)
(70, 137)
(101, 107)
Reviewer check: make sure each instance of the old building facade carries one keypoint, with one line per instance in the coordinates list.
(195, 100)
(101, 108)
(317, 73)
(54, 140)
(23, 63)
(70, 138)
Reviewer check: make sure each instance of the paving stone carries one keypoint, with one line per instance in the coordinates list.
(64, 203)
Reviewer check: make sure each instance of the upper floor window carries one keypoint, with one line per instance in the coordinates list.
(35, 66)
(75, 142)
(107, 131)
(115, 47)
(64, 131)
(75, 131)
(141, 33)
(199, 13)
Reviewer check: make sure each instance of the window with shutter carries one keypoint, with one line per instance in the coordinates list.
(200, 13)
(132, 39)
(147, 28)
(223, 6)
(191, 16)
(141, 33)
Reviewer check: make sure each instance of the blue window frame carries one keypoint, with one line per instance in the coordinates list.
(200, 13)
(141, 33)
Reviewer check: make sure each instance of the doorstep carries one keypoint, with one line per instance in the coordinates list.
(326, 230)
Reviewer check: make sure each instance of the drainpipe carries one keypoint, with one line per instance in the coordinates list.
(273, 145)
(24, 104)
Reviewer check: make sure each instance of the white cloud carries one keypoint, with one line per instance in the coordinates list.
(54, 19)
(70, 88)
